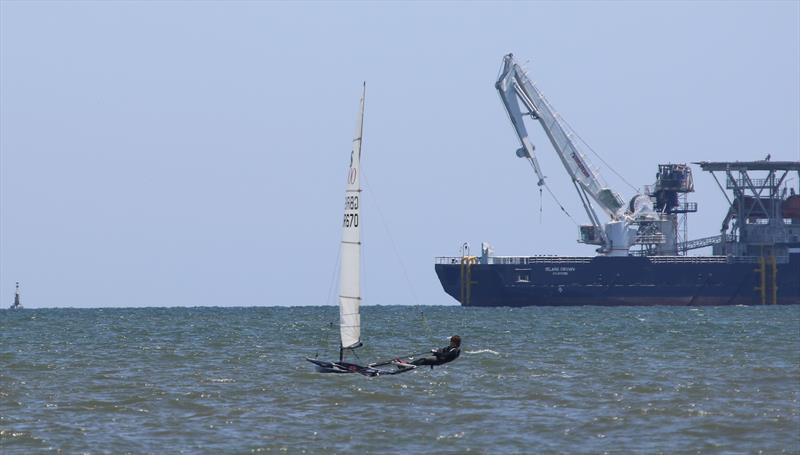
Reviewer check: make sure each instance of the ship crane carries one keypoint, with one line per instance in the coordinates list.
(521, 98)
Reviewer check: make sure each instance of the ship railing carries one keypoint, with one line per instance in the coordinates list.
(524, 260)
(679, 185)
(780, 259)
(521, 260)
(783, 259)
(648, 239)
(768, 235)
(743, 183)
(448, 260)
(685, 207)
(688, 259)
(555, 259)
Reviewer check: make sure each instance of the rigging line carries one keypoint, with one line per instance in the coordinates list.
(427, 326)
(333, 276)
(391, 239)
(328, 297)
(409, 285)
(328, 329)
(572, 130)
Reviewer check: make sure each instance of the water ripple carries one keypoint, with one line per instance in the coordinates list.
(579, 380)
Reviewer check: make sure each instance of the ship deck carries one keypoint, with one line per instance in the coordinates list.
(524, 260)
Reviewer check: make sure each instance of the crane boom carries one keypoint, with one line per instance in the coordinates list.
(514, 88)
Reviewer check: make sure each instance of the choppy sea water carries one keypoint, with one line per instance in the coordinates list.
(532, 380)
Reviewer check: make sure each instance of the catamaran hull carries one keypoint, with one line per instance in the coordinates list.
(345, 367)
(329, 367)
(620, 281)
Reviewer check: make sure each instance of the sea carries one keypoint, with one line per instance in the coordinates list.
(529, 380)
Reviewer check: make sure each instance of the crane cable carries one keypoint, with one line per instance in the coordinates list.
(572, 130)
(560, 205)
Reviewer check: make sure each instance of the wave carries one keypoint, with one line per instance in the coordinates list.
(482, 351)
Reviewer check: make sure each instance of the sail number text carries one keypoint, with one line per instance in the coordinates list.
(350, 219)
(351, 203)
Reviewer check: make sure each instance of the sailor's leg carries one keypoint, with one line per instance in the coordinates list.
(425, 361)
(402, 364)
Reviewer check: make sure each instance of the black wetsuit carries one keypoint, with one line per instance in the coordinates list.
(441, 356)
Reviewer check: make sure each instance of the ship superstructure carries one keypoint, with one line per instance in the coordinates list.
(642, 255)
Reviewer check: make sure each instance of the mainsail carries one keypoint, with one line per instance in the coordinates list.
(350, 271)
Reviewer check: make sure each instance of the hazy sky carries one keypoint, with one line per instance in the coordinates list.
(194, 153)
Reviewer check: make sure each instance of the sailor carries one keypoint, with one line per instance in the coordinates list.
(443, 355)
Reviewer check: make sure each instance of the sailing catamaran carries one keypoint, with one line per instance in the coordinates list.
(350, 271)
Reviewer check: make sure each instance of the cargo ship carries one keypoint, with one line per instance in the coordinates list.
(642, 251)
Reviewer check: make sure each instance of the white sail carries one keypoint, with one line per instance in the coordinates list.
(350, 271)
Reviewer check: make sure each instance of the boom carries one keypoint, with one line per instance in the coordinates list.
(514, 88)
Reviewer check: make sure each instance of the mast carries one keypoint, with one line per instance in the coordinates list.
(350, 266)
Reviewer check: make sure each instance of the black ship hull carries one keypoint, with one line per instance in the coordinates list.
(620, 281)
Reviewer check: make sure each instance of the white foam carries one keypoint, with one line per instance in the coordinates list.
(481, 351)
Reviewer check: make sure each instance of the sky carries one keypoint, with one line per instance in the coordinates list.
(194, 153)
